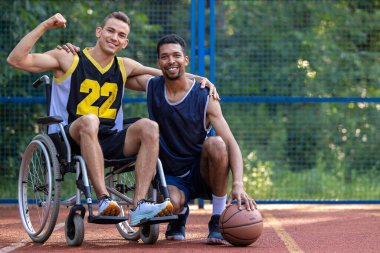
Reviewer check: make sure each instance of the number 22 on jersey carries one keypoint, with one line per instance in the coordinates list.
(94, 91)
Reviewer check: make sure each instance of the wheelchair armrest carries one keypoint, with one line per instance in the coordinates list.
(49, 120)
(42, 79)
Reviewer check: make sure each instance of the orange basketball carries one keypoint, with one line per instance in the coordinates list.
(240, 227)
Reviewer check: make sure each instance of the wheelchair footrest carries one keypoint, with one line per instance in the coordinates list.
(106, 219)
(156, 220)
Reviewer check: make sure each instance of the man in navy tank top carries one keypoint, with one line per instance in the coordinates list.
(196, 165)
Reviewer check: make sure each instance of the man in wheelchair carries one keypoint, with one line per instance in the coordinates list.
(87, 93)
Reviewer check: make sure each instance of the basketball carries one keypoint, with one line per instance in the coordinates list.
(240, 227)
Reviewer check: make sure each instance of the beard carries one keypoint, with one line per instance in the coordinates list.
(173, 77)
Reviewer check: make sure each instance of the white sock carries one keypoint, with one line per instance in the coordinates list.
(218, 204)
(183, 210)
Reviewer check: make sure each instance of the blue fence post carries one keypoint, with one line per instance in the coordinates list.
(198, 50)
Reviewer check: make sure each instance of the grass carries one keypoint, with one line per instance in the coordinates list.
(265, 183)
(316, 185)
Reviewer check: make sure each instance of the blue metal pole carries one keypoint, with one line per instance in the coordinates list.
(193, 20)
(212, 41)
(201, 37)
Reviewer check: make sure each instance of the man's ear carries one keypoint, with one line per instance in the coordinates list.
(125, 43)
(98, 32)
(187, 60)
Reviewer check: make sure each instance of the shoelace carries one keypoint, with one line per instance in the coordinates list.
(142, 201)
(104, 199)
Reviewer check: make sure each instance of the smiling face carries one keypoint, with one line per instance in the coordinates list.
(112, 37)
(172, 61)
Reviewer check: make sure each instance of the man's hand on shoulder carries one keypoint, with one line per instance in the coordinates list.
(207, 83)
(70, 48)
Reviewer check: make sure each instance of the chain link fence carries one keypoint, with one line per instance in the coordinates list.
(299, 82)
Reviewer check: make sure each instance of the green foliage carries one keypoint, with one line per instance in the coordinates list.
(257, 177)
(319, 48)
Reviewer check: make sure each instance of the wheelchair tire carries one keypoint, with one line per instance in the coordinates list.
(39, 188)
(149, 233)
(126, 231)
(74, 230)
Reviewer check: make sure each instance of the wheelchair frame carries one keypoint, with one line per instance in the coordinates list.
(42, 171)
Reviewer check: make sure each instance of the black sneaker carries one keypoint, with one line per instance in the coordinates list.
(176, 229)
(214, 236)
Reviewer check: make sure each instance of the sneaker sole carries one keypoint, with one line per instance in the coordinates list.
(112, 210)
(216, 241)
(175, 237)
(165, 211)
(168, 210)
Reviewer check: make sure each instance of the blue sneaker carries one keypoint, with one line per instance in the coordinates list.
(108, 207)
(215, 237)
(146, 210)
(176, 229)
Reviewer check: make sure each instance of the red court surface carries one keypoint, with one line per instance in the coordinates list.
(287, 228)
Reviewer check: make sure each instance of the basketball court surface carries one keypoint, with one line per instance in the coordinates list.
(287, 228)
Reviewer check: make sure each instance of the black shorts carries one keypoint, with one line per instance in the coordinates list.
(112, 144)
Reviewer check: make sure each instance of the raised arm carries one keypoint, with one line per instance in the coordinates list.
(220, 125)
(21, 58)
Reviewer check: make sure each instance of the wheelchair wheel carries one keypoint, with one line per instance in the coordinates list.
(39, 188)
(74, 230)
(149, 233)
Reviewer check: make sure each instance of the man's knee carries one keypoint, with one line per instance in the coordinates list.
(149, 129)
(87, 125)
(176, 198)
(177, 207)
(216, 147)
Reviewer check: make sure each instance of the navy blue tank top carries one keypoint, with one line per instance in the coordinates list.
(182, 125)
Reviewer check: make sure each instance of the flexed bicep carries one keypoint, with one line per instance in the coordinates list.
(39, 62)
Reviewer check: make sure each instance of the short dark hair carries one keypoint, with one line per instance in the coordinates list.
(171, 39)
(117, 15)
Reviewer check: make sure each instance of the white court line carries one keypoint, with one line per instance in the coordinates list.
(23, 242)
(289, 242)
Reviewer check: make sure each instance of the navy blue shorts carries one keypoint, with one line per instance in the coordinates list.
(192, 184)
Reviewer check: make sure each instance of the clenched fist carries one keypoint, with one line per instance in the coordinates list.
(55, 21)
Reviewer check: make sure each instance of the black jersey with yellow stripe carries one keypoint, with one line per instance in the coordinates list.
(97, 90)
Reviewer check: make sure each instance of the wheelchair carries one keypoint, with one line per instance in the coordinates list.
(45, 162)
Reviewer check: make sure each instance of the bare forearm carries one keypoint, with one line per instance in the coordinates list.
(20, 53)
(142, 70)
(236, 163)
(198, 78)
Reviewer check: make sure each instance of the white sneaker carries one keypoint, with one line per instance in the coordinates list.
(146, 210)
(108, 207)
